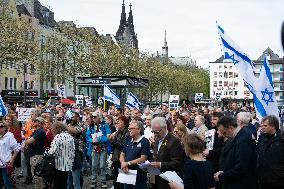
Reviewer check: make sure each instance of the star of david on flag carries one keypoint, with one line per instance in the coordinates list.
(110, 96)
(267, 96)
(132, 101)
(262, 88)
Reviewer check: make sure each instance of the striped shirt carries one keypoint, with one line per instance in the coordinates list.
(63, 148)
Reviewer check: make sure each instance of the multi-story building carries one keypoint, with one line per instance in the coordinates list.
(227, 84)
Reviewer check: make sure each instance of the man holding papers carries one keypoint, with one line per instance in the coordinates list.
(136, 150)
(168, 152)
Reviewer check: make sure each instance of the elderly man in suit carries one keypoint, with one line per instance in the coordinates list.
(168, 152)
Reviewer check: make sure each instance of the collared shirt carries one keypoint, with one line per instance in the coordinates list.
(134, 149)
(161, 141)
(63, 148)
(236, 131)
(8, 144)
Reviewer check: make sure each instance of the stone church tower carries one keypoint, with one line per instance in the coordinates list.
(125, 34)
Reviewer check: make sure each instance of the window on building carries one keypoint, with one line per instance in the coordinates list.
(231, 67)
(215, 83)
(32, 71)
(220, 74)
(230, 74)
(231, 93)
(6, 82)
(32, 84)
(215, 74)
(220, 66)
(225, 74)
(225, 66)
(231, 84)
(236, 84)
(11, 83)
(236, 75)
(225, 92)
(236, 93)
(220, 83)
(225, 83)
(15, 83)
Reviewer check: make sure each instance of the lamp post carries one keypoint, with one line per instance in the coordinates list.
(24, 85)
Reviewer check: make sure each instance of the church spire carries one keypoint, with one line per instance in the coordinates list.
(165, 47)
(130, 17)
(123, 16)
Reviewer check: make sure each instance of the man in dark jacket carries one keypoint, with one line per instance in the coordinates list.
(270, 155)
(239, 166)
(168, 152)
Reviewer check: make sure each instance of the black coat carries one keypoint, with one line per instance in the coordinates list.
(171, 156)
(239, 163)
(214, 154)
(271, 159)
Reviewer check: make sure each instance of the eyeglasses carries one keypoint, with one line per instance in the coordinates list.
(131, 129)
(59, 119)
(157, 132)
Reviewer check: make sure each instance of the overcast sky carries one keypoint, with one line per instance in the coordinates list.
(191, 25)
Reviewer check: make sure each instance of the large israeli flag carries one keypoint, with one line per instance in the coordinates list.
(263, 92)
(110, 96)
(233, 53)
(132, 101)
(262, 87)
(3, 109)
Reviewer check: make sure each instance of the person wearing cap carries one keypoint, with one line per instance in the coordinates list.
(100, 145)
(35, 148)
(8, 144)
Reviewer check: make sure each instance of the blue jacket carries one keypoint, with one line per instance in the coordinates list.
(103, 140)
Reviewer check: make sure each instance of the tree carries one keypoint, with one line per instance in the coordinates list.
(18, 39)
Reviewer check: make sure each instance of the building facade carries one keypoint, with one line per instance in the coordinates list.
(227, 84)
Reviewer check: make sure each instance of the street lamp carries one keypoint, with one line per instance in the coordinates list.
(24, 72)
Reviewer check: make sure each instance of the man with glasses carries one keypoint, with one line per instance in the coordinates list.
(136, 150)
(168, 152)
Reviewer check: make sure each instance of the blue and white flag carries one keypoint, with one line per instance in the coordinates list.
(132, 102)
(110, 96)
(69, 114)
(262, 87)
(263, 93)
(3, 109)
(232, 53)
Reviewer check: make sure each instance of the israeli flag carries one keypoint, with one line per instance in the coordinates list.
(262, 88)
(132, 101)
(3, 109)
(110, 96)
(263, 93)
(69, 114)
(233, 53)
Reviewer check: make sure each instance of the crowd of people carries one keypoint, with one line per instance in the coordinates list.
(247, 153)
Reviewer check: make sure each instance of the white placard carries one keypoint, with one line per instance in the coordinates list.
(173, 102)
(24, 113)
(198, 97)
(79, 100)
(88, 101)
(209, 139)
(127, 178)
(61, 92)
(150, 169)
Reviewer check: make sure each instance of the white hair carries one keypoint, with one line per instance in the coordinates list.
(244, 117)
(161, 121)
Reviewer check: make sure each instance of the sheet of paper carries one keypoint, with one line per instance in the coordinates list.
(172, 176)
(209, 139)
(151, 170)
(127, 178)
(97, 135)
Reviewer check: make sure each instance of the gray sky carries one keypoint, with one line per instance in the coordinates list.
(191, 25)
